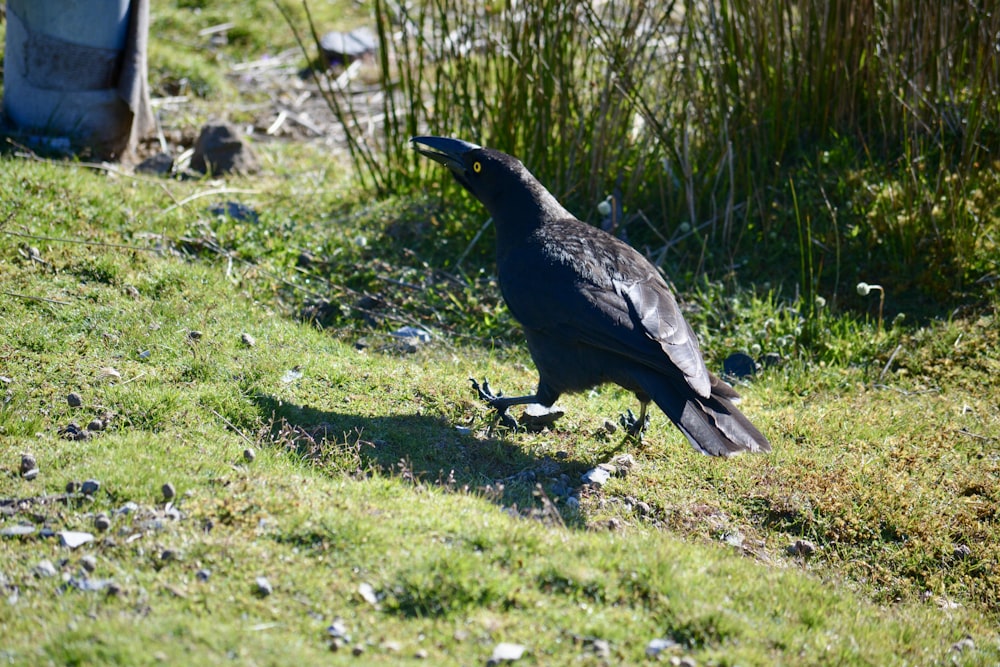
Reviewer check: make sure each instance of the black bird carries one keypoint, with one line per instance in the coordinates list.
(594, 310)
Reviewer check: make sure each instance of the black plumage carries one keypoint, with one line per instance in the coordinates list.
(594, 310)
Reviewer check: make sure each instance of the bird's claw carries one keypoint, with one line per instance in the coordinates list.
(494, 401)
(633, 426)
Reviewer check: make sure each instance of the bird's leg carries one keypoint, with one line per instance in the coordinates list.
(635, 426)
(501, 403)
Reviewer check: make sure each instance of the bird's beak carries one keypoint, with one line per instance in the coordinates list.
(447, 151)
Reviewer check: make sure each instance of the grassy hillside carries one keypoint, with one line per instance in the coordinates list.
(338, 495)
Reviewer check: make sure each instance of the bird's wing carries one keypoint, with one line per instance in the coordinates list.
(636, 318)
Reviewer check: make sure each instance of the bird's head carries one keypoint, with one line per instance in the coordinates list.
(494, 178)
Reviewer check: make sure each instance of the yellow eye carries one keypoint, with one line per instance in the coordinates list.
(477, 166)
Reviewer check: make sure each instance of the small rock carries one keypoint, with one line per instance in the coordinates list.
(390, 646)
(683, 661)
(31, 474)
(537, 417)
(74, 400)
(506, 652)
(643, 508)
(961, 552)
(964, 644)
(90, 487)
(263, 587)
(610, 426)
(45, 568)
(367, 593)
(421, 654)
(89, 585)
(72, 431)
(114, 589)
(156, 165)
(89, 562)
(17, 530)
(600, 648)
(95, 425)
(803, 548)
(357, 650)
(195, 335)
(657, 646)
(108, 372)
(74, 538)
(127, 508)
(344, 47)
(622, 464)
(168, 490)
(247, 340)
(338, 630)
(102, 522)
(132, 291)
(236, 211)
(168, 555)
(203, 574)
(28, 463)
(573, 502)
(739, 365)
(771, 359)
(220, 149)
(598, 476)
(72, 486)
(249, 455)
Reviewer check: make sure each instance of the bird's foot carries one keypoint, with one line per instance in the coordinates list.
(634, 426)
(496, 402)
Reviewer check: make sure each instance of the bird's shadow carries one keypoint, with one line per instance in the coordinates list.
(426, 449)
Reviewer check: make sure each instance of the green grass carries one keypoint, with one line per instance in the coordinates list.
(362, 478)
(377, 466)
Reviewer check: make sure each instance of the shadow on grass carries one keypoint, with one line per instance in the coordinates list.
(424, 449)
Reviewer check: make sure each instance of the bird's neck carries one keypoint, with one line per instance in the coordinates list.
(518, 216)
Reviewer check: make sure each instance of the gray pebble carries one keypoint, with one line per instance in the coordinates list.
(961, 552)
(74, 399)
(74, 538)
(127, 508)
(338, 630)
(45, 568)
(72, 486)
(89, 562)
(17, 530)
(263, 587)
(114, 589)
(249, 455)
(247, 339)
(31, 474)
(169, 492)
(168, 555)
(90, 487)
(657, 646)
(28, 462)
(643, 508)
(357, 650)
(597, 476)
(102, 522)
(421, 654)
(195, 335)
(203, 574)
(803, 548)
(95, 425)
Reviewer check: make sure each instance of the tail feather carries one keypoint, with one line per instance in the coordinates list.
(713, 425)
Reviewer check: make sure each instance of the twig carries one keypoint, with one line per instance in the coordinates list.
(889, 363)
(230, 425)
(36, 298)
(472, 243)
(207, 193)
(100, 244)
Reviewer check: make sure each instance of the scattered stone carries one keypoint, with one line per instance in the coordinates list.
(610, 427)
(95, 425)
(72, 431)
(263, 587)
(357, 650)
(203, 574)
(657, 646)
(17, 530)
(89, 562)
(194, 335)
(601, 648)
(28, 463)
(739, 365)
(421, 654)
(132, 292)
(964, 644)
(291, 375)
(338, 631)
(683, 661)
(31, 474)
(643, 508)
(45, 569)
(127, 508)
(220, 149)
(623, 464)
(74, 399)
(390, 646)
(249, 455)
(537, 417)
(573, 502)
(771, 359)
(506, 652)
(90, 585)
(367, 593)
(961, 552)
(463, 430)
(343, 47)
(72, 486)
(168, 490)
(114, 589)
(803, 548)
(247, 340)
(236, 211)
(159, 164)
(74, 538)
(90, 487)
(598, 476)
(102, 522)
